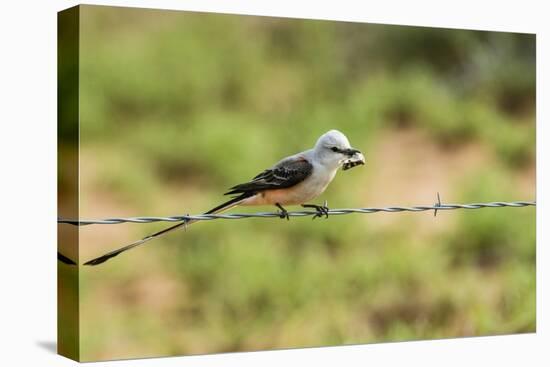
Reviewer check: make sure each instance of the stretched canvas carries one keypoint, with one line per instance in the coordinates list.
(412, 148)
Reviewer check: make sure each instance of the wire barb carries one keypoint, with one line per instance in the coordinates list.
(395, 209)
(437, 205)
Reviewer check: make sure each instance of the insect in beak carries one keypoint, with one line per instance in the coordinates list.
(356, 159)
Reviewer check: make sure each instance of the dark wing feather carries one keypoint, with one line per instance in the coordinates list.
(286, 173)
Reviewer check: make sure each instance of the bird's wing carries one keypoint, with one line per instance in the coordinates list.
(285, 174)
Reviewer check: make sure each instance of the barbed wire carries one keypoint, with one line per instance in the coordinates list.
(392, 209)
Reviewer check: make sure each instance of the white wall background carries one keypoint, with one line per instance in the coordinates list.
(28, 182)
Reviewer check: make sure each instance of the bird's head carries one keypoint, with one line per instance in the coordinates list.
(334, 150)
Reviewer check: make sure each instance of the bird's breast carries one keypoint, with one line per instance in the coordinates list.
(300, 193)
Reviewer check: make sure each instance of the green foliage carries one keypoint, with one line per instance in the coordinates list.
(488, 238)
(177, 107)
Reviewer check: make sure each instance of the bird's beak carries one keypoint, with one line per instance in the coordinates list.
(351, 152)
(356, 158)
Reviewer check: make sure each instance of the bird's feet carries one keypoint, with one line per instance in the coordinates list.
(185, 223)
(283, 213)
(321, 209)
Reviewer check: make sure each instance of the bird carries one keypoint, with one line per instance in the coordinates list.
(294, 180)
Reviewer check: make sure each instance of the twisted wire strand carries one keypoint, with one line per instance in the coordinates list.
(393, 209)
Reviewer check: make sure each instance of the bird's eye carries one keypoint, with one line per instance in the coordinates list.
(334, 149)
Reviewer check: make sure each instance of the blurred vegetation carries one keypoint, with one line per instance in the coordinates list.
(176, 107)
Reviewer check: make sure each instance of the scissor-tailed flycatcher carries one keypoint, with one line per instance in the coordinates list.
(293, 180)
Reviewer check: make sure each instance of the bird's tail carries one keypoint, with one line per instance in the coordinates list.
(64, 259)
(218, 209)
